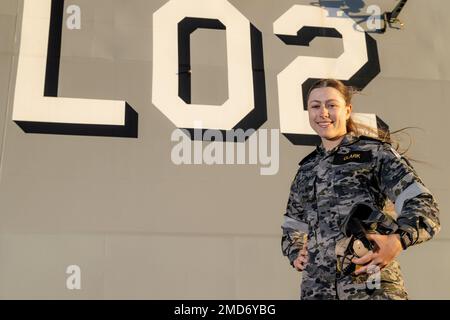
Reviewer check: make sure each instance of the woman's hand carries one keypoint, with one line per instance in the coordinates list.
(387, 248)
(302, 259)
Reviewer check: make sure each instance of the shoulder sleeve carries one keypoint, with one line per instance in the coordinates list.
(307, 158)
(417, 211)
(295, 227)
(367, 138)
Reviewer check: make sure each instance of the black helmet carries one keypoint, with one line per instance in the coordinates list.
(363, 218)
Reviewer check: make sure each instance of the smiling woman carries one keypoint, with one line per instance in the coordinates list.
(336, 206)
(328, 113)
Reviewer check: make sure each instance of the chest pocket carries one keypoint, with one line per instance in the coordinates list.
(306, 183)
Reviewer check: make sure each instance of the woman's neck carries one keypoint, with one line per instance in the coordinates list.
(330, 144)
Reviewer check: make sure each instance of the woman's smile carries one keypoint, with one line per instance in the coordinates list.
(325, 124)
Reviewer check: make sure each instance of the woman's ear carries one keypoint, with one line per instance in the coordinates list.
(348, 110)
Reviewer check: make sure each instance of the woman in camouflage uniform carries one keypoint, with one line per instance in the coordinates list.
(344, 170)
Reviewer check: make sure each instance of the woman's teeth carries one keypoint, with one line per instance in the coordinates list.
(324, 124)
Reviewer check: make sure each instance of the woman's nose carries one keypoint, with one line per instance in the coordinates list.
(323, 112)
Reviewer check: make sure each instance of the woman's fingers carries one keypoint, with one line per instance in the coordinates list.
(364, 259)
(369, 263)
(300, 262)
(302, 259)
(304, 252)
(362, 269)
(299, 266)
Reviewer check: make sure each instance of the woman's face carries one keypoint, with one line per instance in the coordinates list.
(328, 113)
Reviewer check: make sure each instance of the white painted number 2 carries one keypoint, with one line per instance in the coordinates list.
(293, 118)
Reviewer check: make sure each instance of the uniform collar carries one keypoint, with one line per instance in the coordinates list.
(348, 139)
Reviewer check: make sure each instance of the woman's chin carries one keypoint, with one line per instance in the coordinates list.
(329, 135)
(325, 133)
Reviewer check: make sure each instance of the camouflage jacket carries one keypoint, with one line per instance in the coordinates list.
(327, 185)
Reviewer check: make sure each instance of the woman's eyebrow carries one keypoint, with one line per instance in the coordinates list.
(329, 100)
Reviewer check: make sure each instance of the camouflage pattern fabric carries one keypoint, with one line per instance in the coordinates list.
(326, 186)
